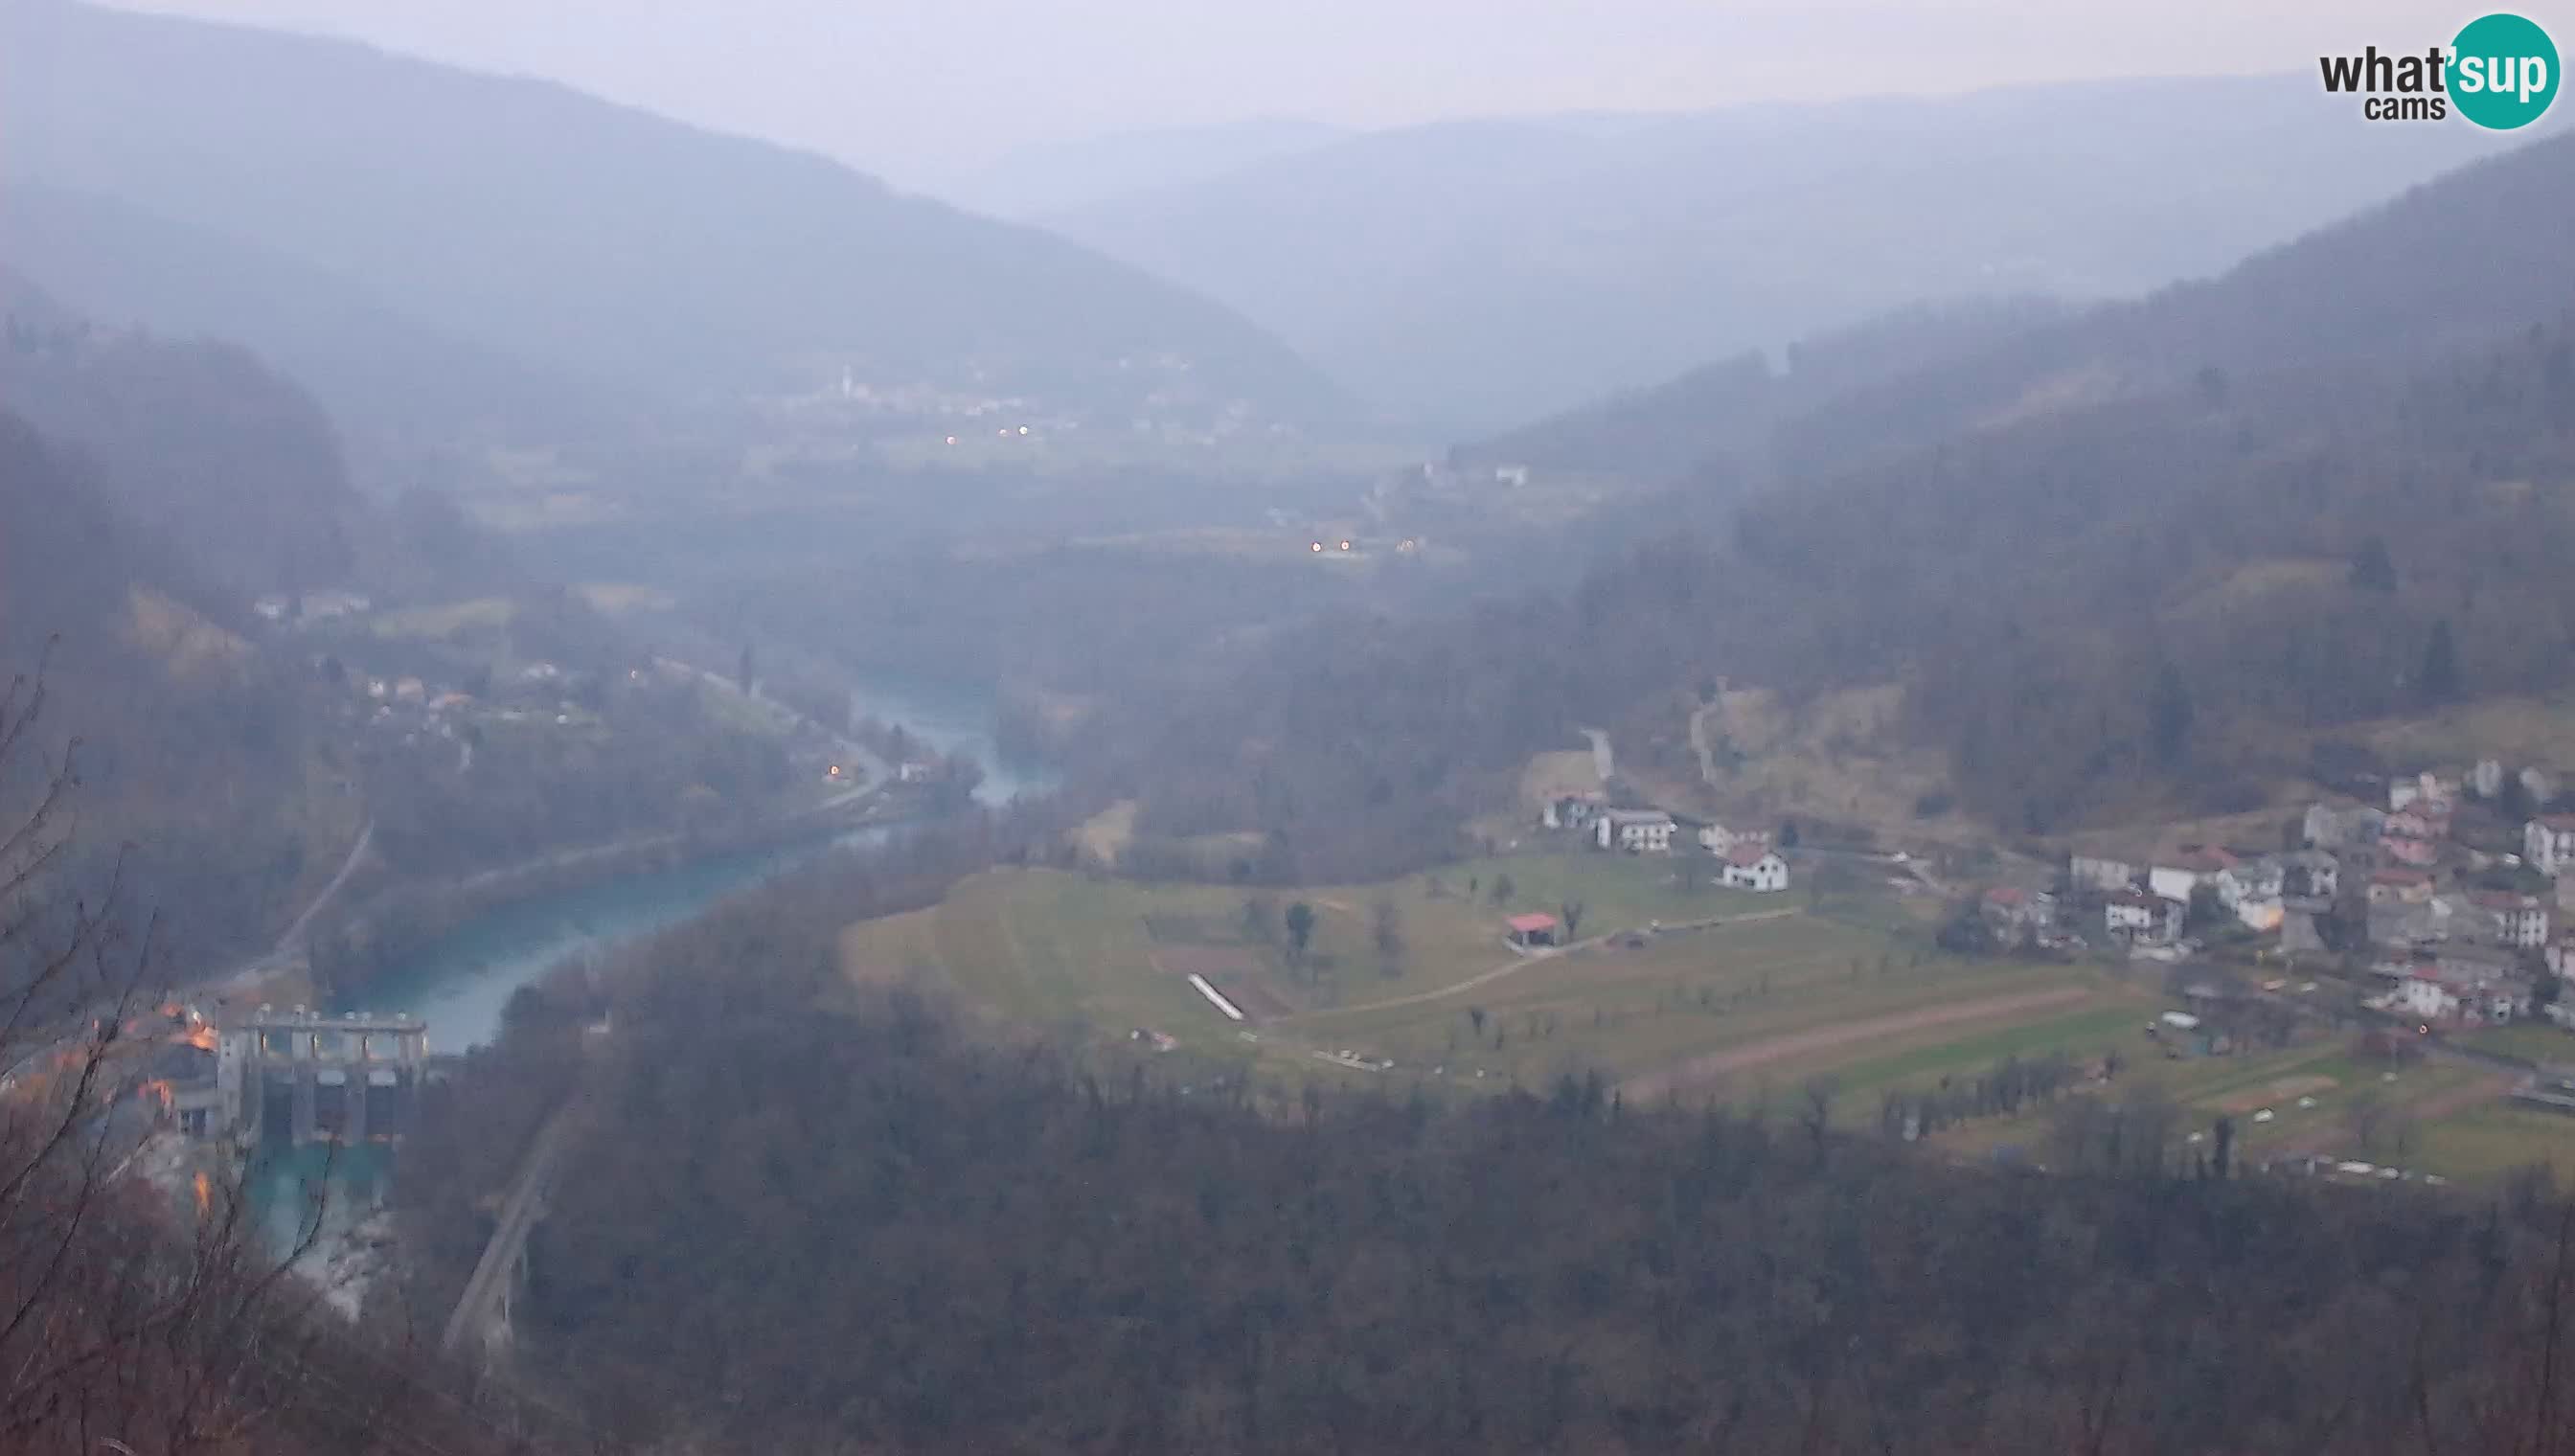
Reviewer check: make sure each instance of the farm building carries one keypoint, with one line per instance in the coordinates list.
(1638, 832)
(2136, 915)
(1755, 867)
(1532, 930)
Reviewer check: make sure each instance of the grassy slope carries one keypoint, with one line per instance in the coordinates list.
(1050, 948)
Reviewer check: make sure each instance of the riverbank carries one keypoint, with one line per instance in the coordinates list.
(360, 953)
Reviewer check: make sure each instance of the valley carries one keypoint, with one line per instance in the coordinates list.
(1855, 771)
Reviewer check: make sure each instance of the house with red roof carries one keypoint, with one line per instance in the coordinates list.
(1755, 867)
(2017, 913)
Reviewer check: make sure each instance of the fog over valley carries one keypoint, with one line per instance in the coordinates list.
(1413, 728)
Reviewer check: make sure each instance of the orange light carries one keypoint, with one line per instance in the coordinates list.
(205, 1194)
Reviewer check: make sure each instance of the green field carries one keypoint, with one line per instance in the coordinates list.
(2487, 1142)
(1772, 985)
(2532, 1042)
(1081, 941)
(443, 621)
(1772, 994)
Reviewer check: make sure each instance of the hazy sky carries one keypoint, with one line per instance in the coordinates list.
(926, 90)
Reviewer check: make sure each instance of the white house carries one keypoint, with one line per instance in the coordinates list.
(1755, 867)
(2175, 878)
(2424, 995)
(2261, 878)
(1638, 832)
(2476, 991)
(2261, 914)
(2518, 921)
(2548, 844)
(2136, 915)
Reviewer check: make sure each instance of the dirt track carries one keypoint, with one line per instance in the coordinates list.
(1717, 1064)
(1534, 957)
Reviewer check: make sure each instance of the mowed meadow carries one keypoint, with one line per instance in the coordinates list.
(1670, 989)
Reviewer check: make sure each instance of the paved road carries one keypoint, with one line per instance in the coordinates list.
(489, 1283)
(1716, 1065)
(294, 936)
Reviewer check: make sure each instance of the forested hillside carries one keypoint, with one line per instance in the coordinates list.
(584, 237)
(2128, 594)
(1723, 416)
(2116, 561)
(2401, 283)
(2397, 280)
(195, 440)
(795, 1220)
(190, 749)
(389, 378)
(1478, 273)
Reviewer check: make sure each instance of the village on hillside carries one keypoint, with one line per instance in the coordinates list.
(2446, 895)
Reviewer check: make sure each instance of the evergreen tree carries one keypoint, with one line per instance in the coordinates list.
(2171, 715)
(2440, 679)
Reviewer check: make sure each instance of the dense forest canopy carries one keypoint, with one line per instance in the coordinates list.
(197, 439)
(190, 752)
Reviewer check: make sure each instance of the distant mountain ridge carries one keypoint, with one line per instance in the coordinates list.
(589, 239)
(1032, 182)
(381, 373)
(1484, 274)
